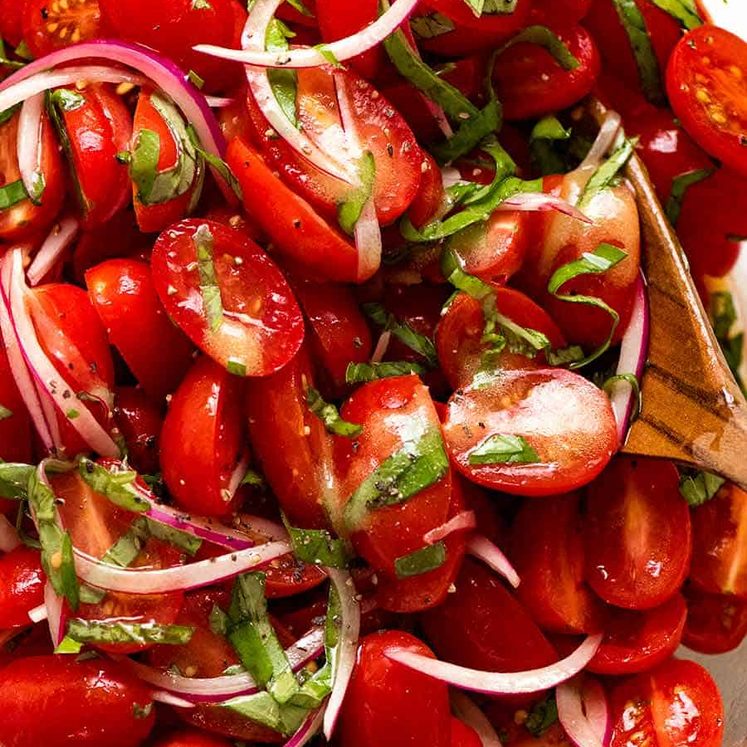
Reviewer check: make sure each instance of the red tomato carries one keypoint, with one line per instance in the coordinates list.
(638, 641)
(139, 419)
(551, 12)
(15, 427)
(548, 554)
(97, 126)
(463, 735)
(58, 701)
(296, 230)
(387, 700)
(300, 473)
(501, 25)
(530, 82)
(393, 412)
(257, 327)
(11, 21)
(677, 703)
(21, 586)
(482, 625)
(24, 218)
(430, 195)
(191, 738)
(122, 293)
(719, 562)
(706, 90)
(562, 416)
(716, 623)
(638, 538)
(49, 25)
(202, 440)
(173, 27)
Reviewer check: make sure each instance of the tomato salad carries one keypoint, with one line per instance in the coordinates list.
(323, 326)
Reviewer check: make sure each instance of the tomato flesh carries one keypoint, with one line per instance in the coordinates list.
(49, 24)
(22, 586)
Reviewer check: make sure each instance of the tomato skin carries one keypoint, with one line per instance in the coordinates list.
(21, 587)
(719, 564)
(716, 623)
(498, 25)
(550, 12)
(711, 60)
(191, 738)
(11, 21)
(123, 294)
(47, 26)
(430, 195)
(202, 439)
(139, 419)
(58, 701)
(518, 403)
(463, 735)
(530, 82)
(15, 430)
(638, 535)
(385, 697)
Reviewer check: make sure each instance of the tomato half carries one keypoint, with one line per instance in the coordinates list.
(139, 419)
(716, 623)
(250, 322)
(50, 25)
(21, 586)
(638, 537)
(191, 738)
(562, 416)
(706, 87)
(463, 735)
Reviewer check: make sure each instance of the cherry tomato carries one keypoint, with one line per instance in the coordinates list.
(15, 427)
(638, 641)
(551, 12)
(191, 738)
(716, 623)
(58, 701)
(530, 82)
(11, 21)
(463, 735)
(25, 218)
(638, 537)
(50, 25)
(296, 230)
(430, 196)
(387, 698)
(202, 440)
(501, 25)
(257, 326)
(719, 563)
(139, 419)
(548, 554)
(677, 703)
(564, 418)
(22, 586)
(706, 90)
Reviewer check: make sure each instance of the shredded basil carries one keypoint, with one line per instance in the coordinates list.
(545, 134)
(263, 709)
(14, 480)
(698, 487)
(328, 55)
(431, 25)
(724, 316)
(5, 413)
(300, 7)
(545, 37)
(403, 332)
(603, 176)
(489, 7)
(283, 81)
(317, 547)
(504, 449)
(215, 163)
(236, 367)
(349, 211)
(67, 100)
(11, 194)
(253, 478)
(685, 11)
(329, 415)
(81, 632)
(542, 716)
(211, 297)
(421, 561)
(116, 484)
(359, 373)
(680, 185)
(7, 114)
(219, 621)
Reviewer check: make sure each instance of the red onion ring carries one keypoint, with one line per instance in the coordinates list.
(541, 202)
(381, 346)
(307, 730)
(28, 146)
(167, 698)
(38, 614)
(584, 728)
(480, 547)
(605, 139)
(462, 521)
(8, 535)
(56, 618)
(59, 239)
(500, 683)
(465, 709)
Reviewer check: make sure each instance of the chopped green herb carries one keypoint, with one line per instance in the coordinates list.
(253, 478)
(317, 547)
(403, 332)
(116, 484)
(359, 373)
(685, 11)
(196, 79)
(5, 413)
(542, 716)
(504, 449)
(11, 194)
(545, 37)
(263, 709)
(217, 164)
(724, 317)
(603, 176)
(480, 7)
(211, 298)
(330, 416)
(542, 142)
(219, 621)
(328, 55)
(236, 367)
(72, 414)
(431, 25)
(698, 487)
(300, 7)
(201, 5)
(283, 81)
(67, 100)
(421, 561)
(82, 632)
(680, 185)
(349, 211)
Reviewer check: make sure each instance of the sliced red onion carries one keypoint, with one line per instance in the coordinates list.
(169, 699)
(633, 353)
(341, 50)
(8, 535)
(56, 618)
(237, 476)
(479, 546)
(597, 709)
(217, 689)
(466, 710)
(28, 145)
(59, 239)
(605, 139)
(219, 102)
(500, 683)
(462, 521)
(450, 176)
(541, 202)
(38, 614)
(266, 527)
(179, 578)
(381, 346)
(583, 729)
(307, 730)
(350, 623)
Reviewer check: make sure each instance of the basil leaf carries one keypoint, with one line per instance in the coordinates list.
(470, 133)
(11, 194)
(212, 302)
(489, 7)
(359, 373)
(603, 176)
(724, 316)
(5, 413)
(283, 81)
(349, 211)
(215, 163)
(118, 485)
(329, 415)
(403, 332)
(114, 632)
(263, 709)
(67, 100)
(236, 367)
(176, 537)
(420, 463)
(504, 449)
(544, 135)
(317, 547)
(544, 37)
(431, 25)
(253, 478)
(329, 55)
(685, 11)
(14, 479)
(300, 7)
(680, 185)
(219, 621)
(542, 716)
(420, 561)
(7, 114)
(698, 487)
(124, 551)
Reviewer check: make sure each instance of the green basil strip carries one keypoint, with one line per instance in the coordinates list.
(420, 463)
(56, 545)
(263, 709)
(329, 415)
(82, 632)
(300, 7)
(544, 37)
(360, 373)
(403, 332)
(252, 635)
(504, 449)
(115, 484)
(490, 7)
(60, 101)
(5, 412)
(349, 211)
(680, 185)
(144, 163)
(317, 547)
(421, 561)
(542, 716)
(603, 176)
(176, 537)
(431, 25)
(7, 114)
(724, 315)
(602, 259)
(544, 135)
(253, 478)
(67, 100)
(11, 194)
(697, 487)
(685, 11)
(14, 480)
(325, 51)
(469, 135)
(211, 298)
(643, 50)
(283, 81)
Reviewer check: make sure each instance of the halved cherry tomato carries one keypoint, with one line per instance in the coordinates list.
(530, 82)
(387, 698)
(202, 440)
(638, 641)
(550, 12)
(21, 586)
(57, 701)
(497, 24)
(548, 554)
(139, 419)
(156, 351)
(705, 83)
(430, 195)
(638, 537)
(563, 417)
(257, 326)
(25, 218)
(50, 25)
(716, 623)
(463, 735)
(719, 561)
(191, 738)
(677, 703)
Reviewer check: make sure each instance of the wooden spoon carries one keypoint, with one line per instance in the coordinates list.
(693, 410)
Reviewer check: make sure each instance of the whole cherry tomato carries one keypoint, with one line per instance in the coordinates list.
(21, 586)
